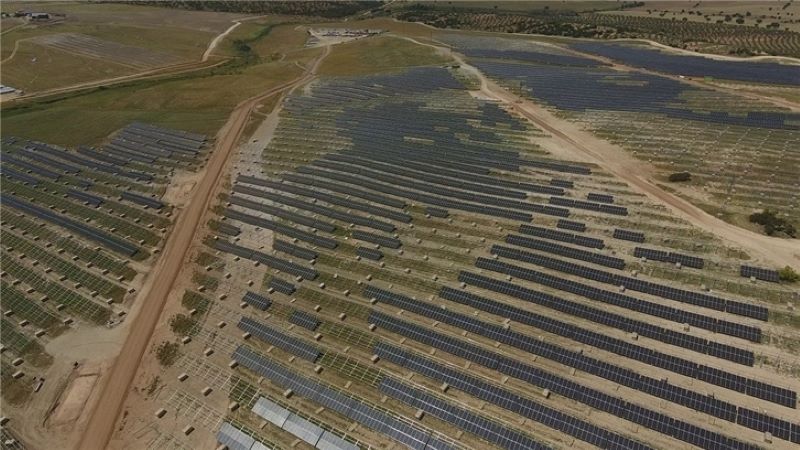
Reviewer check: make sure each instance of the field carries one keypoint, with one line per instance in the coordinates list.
(718, 37)
(742, 13)
(422, 239)
(85, 42)
(198, 102)
(375, 238)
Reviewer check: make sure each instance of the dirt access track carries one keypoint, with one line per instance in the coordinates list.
(118, 383)
(585, 146)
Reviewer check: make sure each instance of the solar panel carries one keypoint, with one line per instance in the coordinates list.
(562, 236)
(92, 200)
(602, 198)
(283, 341)
(142, 200)
(760, 273)
(670, 257)
(280, 228)
(628, 235)
(563, 250)
(115, 244)
(257, 301)
(294, 250)
(571, 225)
(383, 241)
(369, 253)
(304, 320)
(282, 286)
(229, 229)
(436, 212)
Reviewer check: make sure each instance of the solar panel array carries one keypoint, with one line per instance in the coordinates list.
(229, 229)
(566, 251)
(91, 233)
(280, 340)
(592, 206)
(280, 228)
(693, 66)
(681, 316)
(628, 235)
(369, 253)
(282, 286)
(383, 241)
(142, 200)
(257, 301)
(368, 416)
(562, 236)
(670, 257)
(760, 273)
(604, 402)
(436, 212)
(304, 320)
(460, 417)
(294, 250)
(571, 225)
(652, 288)
(270, 261)
(280, 212)
(602, 198)
(90, 199)
(488, 392)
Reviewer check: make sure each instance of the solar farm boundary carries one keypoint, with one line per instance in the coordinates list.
(115, 388)
(636, 173)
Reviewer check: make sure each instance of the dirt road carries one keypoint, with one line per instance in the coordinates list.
(586, 146)
(117, 384)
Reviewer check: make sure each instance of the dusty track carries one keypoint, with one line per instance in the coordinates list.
(586, 146)
(118, 382)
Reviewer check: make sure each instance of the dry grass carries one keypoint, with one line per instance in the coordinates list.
(379, 54)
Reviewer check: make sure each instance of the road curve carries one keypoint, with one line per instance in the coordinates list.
(101, 424)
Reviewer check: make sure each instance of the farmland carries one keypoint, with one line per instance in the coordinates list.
(413, 239)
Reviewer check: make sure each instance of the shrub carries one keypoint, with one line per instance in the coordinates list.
(788, 274)
(182, 325)
(680, 176)
(772, 223)
(167, 353)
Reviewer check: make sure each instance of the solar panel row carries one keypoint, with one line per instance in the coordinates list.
(282, 286)
(403, 193)
(229, 229)
(575, 391)
(602, 198)
(649, 287)
(142, 200)
(569, 252)
(369, 253)
(280, 228)
(504, 398)
(442, 191)
(280, 340)
(319, 209)
(760, 273)
(592, 206)
(562, 236)
(436, 212)
(92, 200)
(383, 241)
(294, 250)
(278, 212)
(628, 235)
(304, 319)
(270, 261)
(410, 436)
(535, 346)
(571, 225)
(107, 240)
(462, 418)
(670, 257)
(703, 321)
(257, 301)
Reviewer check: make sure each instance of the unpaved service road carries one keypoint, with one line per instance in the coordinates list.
(117, 385)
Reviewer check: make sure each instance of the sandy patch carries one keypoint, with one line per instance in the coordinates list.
(77, 393)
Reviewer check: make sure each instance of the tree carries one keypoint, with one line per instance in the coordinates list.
(788, 274)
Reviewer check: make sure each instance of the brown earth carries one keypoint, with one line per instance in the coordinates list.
(118, 383)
